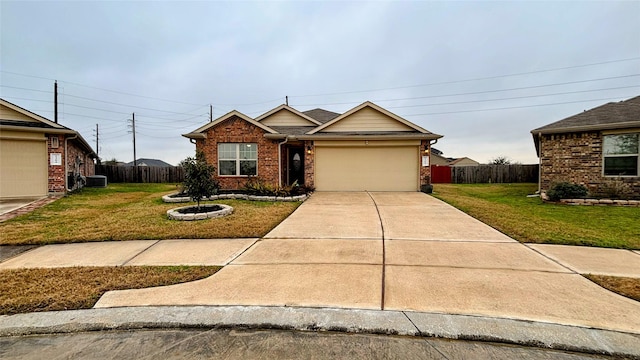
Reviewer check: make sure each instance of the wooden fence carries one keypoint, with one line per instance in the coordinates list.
(141, 174)
(494, 174)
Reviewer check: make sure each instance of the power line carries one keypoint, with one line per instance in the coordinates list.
(512, 107)
(479, 92)
(469, 80)
(514, 98)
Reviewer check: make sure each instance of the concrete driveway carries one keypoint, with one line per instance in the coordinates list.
(398, 251)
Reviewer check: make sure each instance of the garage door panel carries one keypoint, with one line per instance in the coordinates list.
(24, 168)
(367, 168)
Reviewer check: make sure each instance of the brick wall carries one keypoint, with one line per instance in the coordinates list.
(425, 171)
(236, 130)
(56, 182)
(309, 165)
(87, 168)
(577, 158)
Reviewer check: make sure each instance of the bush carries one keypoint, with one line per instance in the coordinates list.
(565, 190)
(256, 186)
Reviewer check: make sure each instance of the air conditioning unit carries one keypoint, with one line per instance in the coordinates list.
(97, 181)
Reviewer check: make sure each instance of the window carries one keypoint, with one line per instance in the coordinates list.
(238, 159)
(621, 154)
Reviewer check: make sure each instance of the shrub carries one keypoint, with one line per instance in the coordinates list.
(565, 190)
(256, 186)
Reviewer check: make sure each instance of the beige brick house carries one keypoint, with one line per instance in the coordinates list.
(39, 156)
(598, 148)
(366, 148)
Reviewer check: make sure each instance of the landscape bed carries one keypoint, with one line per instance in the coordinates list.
(136, 212)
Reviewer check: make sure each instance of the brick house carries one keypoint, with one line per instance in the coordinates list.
(366, 148)
(598, 148)
(39, 156)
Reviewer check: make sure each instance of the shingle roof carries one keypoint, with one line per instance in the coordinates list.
(149, 162)
(608, 116)
(321, 115)
(30, 124)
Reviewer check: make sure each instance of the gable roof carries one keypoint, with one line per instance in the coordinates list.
(613, 115)
(375, 107)
(290, 109)
(321, 115)
(42, 124)
(199, 132)
(149, 162)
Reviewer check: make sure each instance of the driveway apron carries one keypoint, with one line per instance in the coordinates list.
(397, 251)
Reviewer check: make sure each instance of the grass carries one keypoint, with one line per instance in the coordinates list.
(32, 290)
(625, 286)
(135, 211)
(507, 208)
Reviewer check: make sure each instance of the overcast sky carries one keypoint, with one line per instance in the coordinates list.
(483, 74)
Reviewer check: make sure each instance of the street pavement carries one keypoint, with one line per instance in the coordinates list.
(381, 252)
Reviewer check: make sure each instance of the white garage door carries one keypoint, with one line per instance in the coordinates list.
(390, 168)
(23, 168)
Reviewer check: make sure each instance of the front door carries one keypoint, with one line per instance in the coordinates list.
(295, 165)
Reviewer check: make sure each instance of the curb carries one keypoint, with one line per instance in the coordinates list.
(459, 327)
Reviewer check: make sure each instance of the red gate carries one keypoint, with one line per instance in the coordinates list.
(440, 174)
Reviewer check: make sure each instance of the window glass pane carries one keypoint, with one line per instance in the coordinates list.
(248, 167)
(227, 167)
(620, 144)
(248, 151)
(621, 165)
(227, 151)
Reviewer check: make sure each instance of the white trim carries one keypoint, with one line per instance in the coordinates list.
(290, 109)
(237, 158)
(227, 116)
(636, 155)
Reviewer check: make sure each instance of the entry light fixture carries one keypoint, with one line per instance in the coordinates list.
(426, 149)
(309, 149)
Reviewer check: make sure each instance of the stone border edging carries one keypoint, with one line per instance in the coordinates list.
(168, 199)
(174, 214)
(460, 327)
(592, 202)
(607, 202)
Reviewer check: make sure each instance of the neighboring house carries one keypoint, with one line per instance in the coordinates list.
(149, 162)
(366, 148)
(38, 156)
(463, 161)
(598, 148)
(438, 159)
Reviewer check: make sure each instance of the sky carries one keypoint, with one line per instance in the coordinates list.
(482, 74)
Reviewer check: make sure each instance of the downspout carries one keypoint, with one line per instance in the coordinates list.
(540, 163)
(280, 161)
(66, 161)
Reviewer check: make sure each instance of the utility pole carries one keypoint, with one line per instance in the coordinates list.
(55, 101)
(133, 131)
(97, 141)
(210, 113)
(286, 100)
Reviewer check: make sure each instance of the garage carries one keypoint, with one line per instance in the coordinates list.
(371, 167)
(24, 166)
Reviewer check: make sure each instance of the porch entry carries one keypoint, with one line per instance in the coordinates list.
(295, 165)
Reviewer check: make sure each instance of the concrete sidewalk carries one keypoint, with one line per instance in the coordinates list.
(402, 252)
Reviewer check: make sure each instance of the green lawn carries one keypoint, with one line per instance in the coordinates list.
(507, 208)
(135, 211)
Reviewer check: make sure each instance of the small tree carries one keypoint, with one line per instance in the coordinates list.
(198, 178)
(500, 160)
